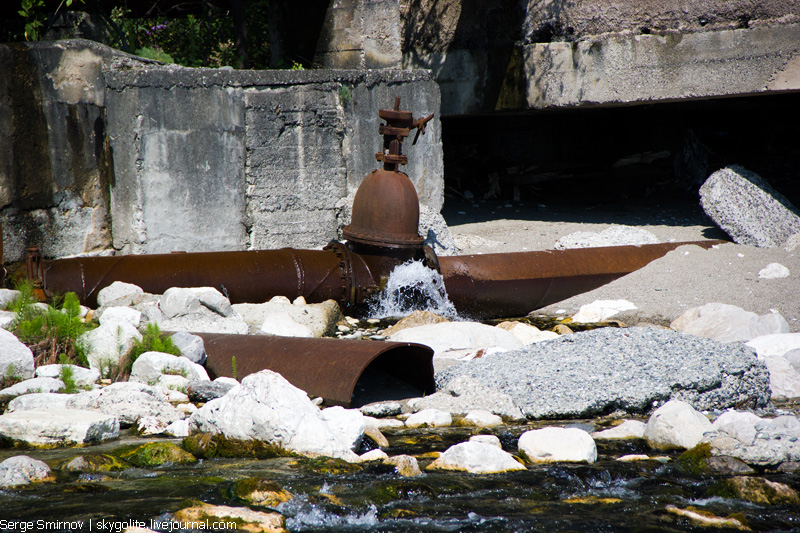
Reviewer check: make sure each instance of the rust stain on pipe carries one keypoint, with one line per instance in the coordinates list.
(330, 368)
(513, 284)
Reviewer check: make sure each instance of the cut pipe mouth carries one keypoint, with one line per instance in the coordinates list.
(349, 373)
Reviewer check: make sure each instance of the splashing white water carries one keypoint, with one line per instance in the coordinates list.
(413, 287)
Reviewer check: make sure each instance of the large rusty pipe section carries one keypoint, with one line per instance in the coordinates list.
(329, 368)
(513, 284)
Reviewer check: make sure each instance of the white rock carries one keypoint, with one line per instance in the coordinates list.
(121, 314)
(186, 408)
(280, 317)
(728, 323)
(214, 300)
(23, 470)
(149, 367)
(150, 425)
(738, 424)
(383, 423)
(179, 301)
(774, 271)
(40, 400)
(46, 427)
(285, 326)
(171, 382)
(205, 321)
(551, 445)
(777, 344)
(266, 407)
(784, 380)
(128, 401)
(191, 346)
(629, 429)
(6, 319)
(446, 336)
(429, 418)
(676, 424)
(373, 455)
(494, 440)
(612, 236)
(7, 296)
(179, 428)
(16, 359)
(115, 291)
(30, 386)
(381, 409)
(528, 334)
(601, 310)
(793, 358)
(175, 397)
(349, 424)
(476, 458)
(227, 381)
(108, 343)
(482, 418)
(83, 377)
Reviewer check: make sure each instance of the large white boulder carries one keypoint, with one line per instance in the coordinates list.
(777, 344)
(121, 314)
(676, 424)
(281, 317)
(31, 385)
(150, 366)
(116, 291)
(476, 458)
(728, 323)
(456, 336)
(179, 301)
(16, 359)
(58, 427)
(349, 424)
(784, 379)
(39, 400)
(266, 407)
(23, 470)
(429, 418)
(128, 401)
(108, 343)
(83, 377)
(555, 445)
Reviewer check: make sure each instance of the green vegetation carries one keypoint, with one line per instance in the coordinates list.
(156, 454)
(67, 375)
(152, 341)
(51, 333)
(233, 367)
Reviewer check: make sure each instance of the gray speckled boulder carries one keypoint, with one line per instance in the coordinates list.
(748, 209)
(627, 369)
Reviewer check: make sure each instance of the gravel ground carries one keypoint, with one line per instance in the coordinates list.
(685, 278)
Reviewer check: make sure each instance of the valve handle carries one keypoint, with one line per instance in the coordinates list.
(420, 125)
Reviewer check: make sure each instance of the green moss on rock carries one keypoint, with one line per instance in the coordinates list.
(97, 462)
(694, 461)
(156, 454)
(757, 490)
(258, 491)
(327, 465)
(207, 446)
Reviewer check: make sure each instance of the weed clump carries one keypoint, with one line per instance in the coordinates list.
(152, 341)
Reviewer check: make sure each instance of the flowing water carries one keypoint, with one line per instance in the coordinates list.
(412, 286)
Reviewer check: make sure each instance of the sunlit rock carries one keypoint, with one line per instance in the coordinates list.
(128, 401)
(676, 424)
(728, 323)
(628, 429)
(429, 418)
(23, 470)
(476, 458)
(150, 366)
(117, 291)
(59, 427)
(31, 385)
(16, 359)
(555, 445)
(108, 343)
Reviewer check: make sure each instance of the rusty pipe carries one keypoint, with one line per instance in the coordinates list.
(342, 372)
(244, 276)
(513, 284)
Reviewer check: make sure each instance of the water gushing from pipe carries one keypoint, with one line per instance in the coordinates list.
(412, 286)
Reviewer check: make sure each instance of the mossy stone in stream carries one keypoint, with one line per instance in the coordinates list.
(207, 446)
(693, 461)
(156, 454)
(756, 490)
(258, 491)
(382, 493)
(326, 465)
(96, 462)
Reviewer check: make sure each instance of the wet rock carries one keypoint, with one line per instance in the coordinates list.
(204, 391)
(94, 463)
(728, 323)
(707, 519)
(279, 316)
(191, 346)
(349, 424)
(463, 394)
(31, 385)
(774, 271)
(156, 454)
(748, 209)
(429, 418)
(626, 369)
(777, 344)
(784, 379)
(602, 310)
(555, 445)
(453, 336)
(676, 424)
(526, 333)
(120, 314)
(759, 490)
(58, 427)
(476, 458)
(482, 419)
(117, 291)
(23, 470)
(405, 465)
(83, 377)
(150, 366)
(268, 408)
(628, 429)
(258, 491)
(415, 319)
(108, 343)
(16, 359)
(375, 435)
(245, 519)
(612, 236)
(127, 401)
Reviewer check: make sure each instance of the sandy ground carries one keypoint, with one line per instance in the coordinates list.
(664, 289)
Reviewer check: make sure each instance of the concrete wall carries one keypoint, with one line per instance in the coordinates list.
(115, 154)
